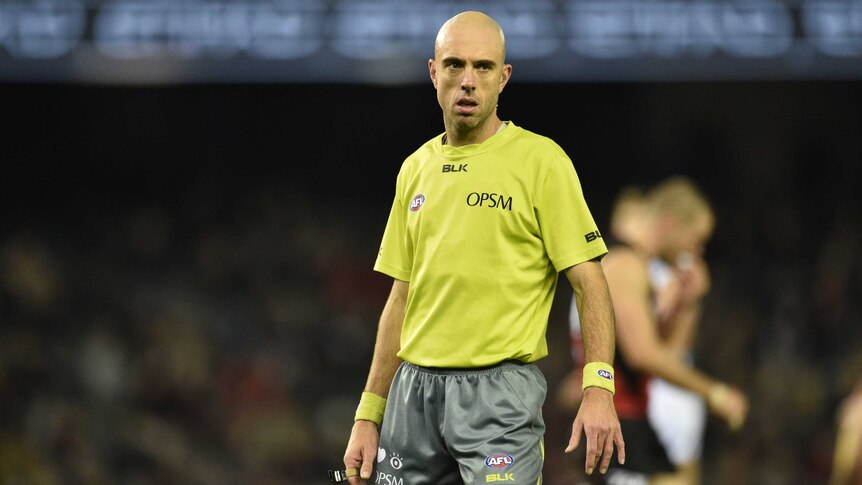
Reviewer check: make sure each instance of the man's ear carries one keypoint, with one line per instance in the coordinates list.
(432, 71)
(505, 75)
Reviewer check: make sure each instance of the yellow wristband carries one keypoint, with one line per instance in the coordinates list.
(371, 408)
(599, 374)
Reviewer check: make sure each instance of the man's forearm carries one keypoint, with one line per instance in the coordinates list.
(595, 309)
(385, 361)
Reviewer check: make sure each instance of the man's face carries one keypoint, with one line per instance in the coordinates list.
(469, 74)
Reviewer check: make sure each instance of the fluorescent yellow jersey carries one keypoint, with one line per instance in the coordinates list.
(481, 232)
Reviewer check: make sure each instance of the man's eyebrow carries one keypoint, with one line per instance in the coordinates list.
(481, 62)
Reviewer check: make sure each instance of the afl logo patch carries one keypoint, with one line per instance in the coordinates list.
(417, 202)
(607, 375)
(499, 460)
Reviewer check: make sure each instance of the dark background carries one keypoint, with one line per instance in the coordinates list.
(186, 293)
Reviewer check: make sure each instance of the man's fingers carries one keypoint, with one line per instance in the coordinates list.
(353, 473)
(353, 479)
(368, 456)
(359, 468)
(351, 465)
(621, 447)
(592, 451)
(606, 453)
(577, 428)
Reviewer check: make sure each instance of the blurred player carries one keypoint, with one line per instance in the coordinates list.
(663, 421)
(678, 415)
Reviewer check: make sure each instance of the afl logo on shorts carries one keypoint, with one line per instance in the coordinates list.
(607, 375)
(417, 202)
(499, 460)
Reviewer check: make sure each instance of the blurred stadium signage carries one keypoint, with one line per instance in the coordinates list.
(387, 42)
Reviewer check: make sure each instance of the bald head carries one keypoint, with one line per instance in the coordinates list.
(472, 24)
(469, 72)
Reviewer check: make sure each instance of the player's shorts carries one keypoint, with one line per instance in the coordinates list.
(463, 426)
(645, 457)
(679, 419)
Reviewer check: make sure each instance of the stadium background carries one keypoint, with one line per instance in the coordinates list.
(186, 293)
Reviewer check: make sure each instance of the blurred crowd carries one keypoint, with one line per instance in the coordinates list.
(161, 349)
(159, 346)
(220, 332)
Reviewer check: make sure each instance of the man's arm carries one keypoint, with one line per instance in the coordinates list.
(385, 362)
(364, 438)
(597, 417)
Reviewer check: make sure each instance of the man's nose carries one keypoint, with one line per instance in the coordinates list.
(468, 80)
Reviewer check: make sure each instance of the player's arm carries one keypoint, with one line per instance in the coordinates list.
(682, 328)
(640, 344)
(597, 417)
(694, 285)
(667, 302)
(364, 438)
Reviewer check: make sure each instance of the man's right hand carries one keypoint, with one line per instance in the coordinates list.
(362, 450)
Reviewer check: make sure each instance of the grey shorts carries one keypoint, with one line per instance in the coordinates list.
(463, 426)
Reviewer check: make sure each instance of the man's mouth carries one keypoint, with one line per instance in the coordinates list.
(466, 106)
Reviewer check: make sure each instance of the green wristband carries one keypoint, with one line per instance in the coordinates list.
(599, 374)
(371, 408)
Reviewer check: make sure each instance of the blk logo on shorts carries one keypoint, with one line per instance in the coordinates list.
(417, 202)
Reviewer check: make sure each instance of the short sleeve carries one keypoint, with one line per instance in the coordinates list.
(566, 224)
(394, 258)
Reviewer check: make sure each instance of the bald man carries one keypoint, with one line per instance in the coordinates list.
(484, 218)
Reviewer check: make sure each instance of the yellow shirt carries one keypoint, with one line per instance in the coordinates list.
(481, 232)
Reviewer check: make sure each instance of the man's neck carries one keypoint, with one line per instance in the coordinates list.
(447, 140)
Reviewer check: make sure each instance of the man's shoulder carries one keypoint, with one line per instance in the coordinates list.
(525, 135)
(418, 157)
(624, 256)
(543, 150)
(424, 151)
